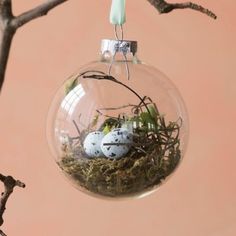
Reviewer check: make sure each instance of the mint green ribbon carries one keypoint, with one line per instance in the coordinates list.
(117, 15)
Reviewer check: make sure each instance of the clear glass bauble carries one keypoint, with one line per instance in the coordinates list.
(114, 136)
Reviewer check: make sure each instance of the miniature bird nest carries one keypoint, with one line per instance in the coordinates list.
(132, 174)
(154, 155)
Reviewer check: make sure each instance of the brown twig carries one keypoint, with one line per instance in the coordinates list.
(2, 233)
(99, 75)
(10, 23)
(37, 12)
(9, 184)
(8, 26)
(165, 7)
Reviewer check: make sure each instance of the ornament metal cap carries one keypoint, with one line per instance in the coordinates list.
(114, 46)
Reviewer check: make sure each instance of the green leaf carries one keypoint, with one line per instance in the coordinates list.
(146, 118)
(106, 129)
(95, 121)
(70, 85)
(153, 111)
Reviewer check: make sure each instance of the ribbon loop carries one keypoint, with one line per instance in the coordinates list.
(117, 15)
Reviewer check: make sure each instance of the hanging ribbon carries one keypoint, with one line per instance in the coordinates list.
(118, 18)
(117, 15)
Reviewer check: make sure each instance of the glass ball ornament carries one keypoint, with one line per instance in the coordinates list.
(118, 128)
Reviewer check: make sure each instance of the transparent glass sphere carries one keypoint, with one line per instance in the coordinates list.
(117, 131)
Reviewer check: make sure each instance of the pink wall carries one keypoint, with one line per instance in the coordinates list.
(197, 53)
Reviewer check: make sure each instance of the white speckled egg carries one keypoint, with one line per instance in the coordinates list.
(116, 143)
(92, 144)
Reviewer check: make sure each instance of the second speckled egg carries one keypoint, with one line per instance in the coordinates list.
(117, 143)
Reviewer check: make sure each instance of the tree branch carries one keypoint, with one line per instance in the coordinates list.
(165, 7)
(9, 24)
(36, 12)
(9, 184)
(2, 233)
(6, 36)
(6, 9)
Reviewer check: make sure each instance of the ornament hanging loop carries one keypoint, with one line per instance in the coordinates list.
(117, 33)
(123, 47)
(118, 18)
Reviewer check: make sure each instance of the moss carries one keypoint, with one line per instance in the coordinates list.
(132, 174)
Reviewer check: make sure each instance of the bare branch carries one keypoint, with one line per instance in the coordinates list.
(2, 233)
(6, 36)
(6, 9)
(9, 24)
(9, 184)
(36, 12)
(165, 7)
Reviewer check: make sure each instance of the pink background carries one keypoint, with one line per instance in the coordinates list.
(197, 53)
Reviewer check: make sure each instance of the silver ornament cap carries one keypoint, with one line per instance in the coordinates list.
(114, 46)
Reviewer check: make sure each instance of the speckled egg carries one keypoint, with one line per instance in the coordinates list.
(92, 144)
(117, 143)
